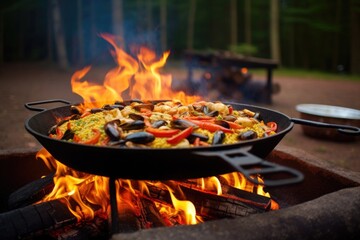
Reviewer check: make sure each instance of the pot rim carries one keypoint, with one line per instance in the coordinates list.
(323, 110)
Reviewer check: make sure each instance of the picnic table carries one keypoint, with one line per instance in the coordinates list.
(212, 60)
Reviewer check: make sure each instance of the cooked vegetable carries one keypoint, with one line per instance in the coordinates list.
(164, 124)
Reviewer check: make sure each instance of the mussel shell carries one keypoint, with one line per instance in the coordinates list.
(213, 113)
(112, 131)
(182, 124)
(96, 110)
(134, 125)
(258, 116)
(158, 123)
(69, 134)
(52, 130)
(135, 116)
(247, 135)
(230, 118)
(113, 106)
(222, 123)
(140, 137)
(75, 109)
(191, 138)
(218, 138)
(149, 106)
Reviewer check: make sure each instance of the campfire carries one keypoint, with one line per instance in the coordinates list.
(131, 205)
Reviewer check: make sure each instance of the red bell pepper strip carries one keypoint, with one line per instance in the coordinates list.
(196, 142)
(272, 126)
(234, 125)
(180, 136)
(231, 109)
(212, 127)
(199, 118)
(94, 139)
(162, 132)
(59, 133)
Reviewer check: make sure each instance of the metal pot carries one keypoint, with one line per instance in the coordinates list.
(329, 114)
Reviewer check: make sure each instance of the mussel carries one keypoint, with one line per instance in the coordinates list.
(140, 137)
(112, 131)
(182, 124)
(223, 123)
(134, 125)
(218, 138)
(213, 113)
(96, 110)
(135, 116)
(230, 118)
(191, 138)
(158, 123)
(75, 109)
(257, 116)
(113, 106)
(247, 135)
(68, 134)
(149, 106)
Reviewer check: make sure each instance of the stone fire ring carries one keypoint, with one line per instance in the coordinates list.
(332, 216)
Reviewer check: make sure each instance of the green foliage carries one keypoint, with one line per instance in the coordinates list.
(244, 49)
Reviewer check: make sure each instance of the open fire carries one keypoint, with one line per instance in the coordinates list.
(172, 202)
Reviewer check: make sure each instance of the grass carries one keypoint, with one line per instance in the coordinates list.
(309, 74)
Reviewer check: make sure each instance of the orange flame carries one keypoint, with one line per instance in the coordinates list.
(131, 77)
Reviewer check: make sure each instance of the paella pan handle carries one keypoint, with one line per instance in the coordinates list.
(345, 129)
(38, 109)
(250, 166)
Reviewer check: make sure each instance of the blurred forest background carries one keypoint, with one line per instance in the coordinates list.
(319, 35)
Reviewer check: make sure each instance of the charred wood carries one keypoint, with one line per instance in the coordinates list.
(213, 206)
(151, 214)
(207, 204)
(96, 228)
(34, 220)
(31, 192)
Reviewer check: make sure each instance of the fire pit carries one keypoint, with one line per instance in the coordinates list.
(73, 200)
(325, 205)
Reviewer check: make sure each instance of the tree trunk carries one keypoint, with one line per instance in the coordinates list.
(274, 30)
(163, 17)
(80, 46)
(191, 25)
(59, 36)
(117, 18)
(93, 37)
(354, 37)
(49, 42)
(233, 22)
(149, 17)
(247, 26)
(1, 37)
(335, 49)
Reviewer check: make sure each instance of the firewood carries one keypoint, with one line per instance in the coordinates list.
(34, 220)
(31, 192)
(213, 206)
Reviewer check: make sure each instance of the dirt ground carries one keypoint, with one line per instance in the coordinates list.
(22, 83)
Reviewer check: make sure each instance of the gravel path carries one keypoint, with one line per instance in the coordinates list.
(21, 83)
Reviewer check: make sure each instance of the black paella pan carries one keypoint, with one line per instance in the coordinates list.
(175, 163)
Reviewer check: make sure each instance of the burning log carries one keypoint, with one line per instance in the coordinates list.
(151, 214)
(31, 192)
(212, 206)
(33, 220)
(96, 228)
